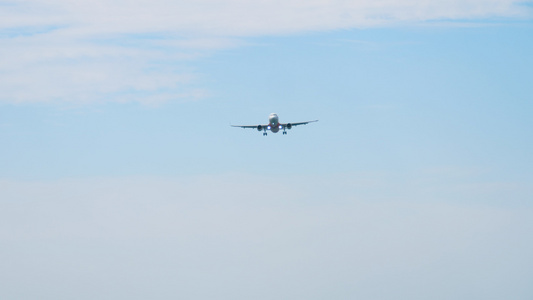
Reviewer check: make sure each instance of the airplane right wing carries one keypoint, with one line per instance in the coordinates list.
(258, 127)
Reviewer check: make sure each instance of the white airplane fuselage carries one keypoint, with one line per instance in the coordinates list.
(273, 123)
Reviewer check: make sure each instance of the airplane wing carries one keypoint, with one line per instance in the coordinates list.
(288, 125)
(250, 126)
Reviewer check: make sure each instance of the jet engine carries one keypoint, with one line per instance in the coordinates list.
(289, 126)
(259, 127)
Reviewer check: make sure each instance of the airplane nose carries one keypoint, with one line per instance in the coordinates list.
(273, 119)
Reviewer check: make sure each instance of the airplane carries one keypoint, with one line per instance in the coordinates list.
(274, 125)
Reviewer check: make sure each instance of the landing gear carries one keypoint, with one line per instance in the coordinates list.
(284, 132)
(264, 133)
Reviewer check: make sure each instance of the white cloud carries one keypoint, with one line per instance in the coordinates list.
(242, 236)
(62, 50)
(58, 67)
(240, 17)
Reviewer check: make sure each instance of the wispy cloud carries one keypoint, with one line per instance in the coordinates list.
(63, 66)
(95, 50)
(245, 231)
(238, 17)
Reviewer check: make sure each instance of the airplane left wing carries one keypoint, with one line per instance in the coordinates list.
(289, 125)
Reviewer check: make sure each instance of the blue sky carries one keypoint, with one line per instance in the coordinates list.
(120, 177)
